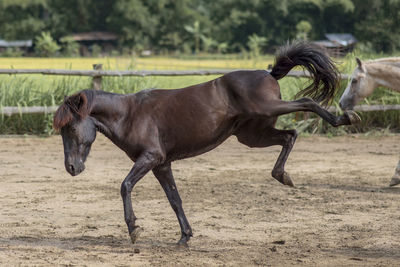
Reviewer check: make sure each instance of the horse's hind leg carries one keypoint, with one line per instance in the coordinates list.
(280, 107)
(269, 137)
(287, 139)
(166, 179)
(396, 177)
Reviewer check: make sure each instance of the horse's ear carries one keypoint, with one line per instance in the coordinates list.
(79, 104)
(360, 64)
(78, 101)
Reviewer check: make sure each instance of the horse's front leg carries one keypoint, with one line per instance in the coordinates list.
(166, 179)
(280, 107)
(396, 177)
(142, 166)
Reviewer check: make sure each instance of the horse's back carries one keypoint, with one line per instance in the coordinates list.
(251, 84)
(232, 87)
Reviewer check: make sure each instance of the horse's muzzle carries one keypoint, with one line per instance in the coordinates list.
(346, 104)
(74, 169)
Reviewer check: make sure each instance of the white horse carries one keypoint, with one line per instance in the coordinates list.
(366, 77)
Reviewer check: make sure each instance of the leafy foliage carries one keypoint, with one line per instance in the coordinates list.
(70, 46)
(303, 29)
(255, 43)
(45, 45)
(181, 25)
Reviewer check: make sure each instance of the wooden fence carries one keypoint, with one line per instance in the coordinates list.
(97, 73)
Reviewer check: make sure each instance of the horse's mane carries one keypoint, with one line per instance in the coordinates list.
(77, 106)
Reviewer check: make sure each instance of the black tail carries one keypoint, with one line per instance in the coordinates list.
(318, 64)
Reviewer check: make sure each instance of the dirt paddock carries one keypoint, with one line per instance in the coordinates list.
(341, 211)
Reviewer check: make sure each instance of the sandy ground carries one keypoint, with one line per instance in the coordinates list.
(341, 212)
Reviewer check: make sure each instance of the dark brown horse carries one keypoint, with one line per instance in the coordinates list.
(156, 127)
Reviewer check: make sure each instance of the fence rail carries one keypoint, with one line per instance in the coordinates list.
(9, 111)
(97, 73)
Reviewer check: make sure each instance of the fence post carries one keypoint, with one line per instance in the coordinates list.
(96, 82)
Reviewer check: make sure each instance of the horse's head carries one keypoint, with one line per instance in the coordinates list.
(78, 130)
(361, 85)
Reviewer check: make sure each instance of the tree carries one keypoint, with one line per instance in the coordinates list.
(208, 43)
(70, 46)
(380, 19)
(222, 47)
(255, 43)
(234, 21)
(45, 45)
(197, 34)
(74, 16)
(20, 19)
(172, 15)
(303, 29)
(171, 25)
(133, 21)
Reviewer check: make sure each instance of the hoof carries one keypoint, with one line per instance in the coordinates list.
(182, 244)
(394, 181)
(135, 234)
(353, 117)
(184, 239)
(286, 180)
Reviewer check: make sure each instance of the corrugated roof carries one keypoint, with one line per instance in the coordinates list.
(94, 36)
(344, 39)
(22, 43)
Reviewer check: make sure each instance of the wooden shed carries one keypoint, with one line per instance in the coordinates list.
(21, 44)
(338, 44)
(106, 40)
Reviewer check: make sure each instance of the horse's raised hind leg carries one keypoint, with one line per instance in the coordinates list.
(254, 137)
(166, 179)
(396, 177)
(279, 107)
(142, 166)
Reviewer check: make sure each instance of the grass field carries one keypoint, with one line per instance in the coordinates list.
(127, 63)
(40, 90)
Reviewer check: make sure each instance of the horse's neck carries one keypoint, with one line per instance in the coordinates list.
(108, 110)
(386, 75)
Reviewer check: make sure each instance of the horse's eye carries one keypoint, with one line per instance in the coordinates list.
(354, 81)
(73, 130)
